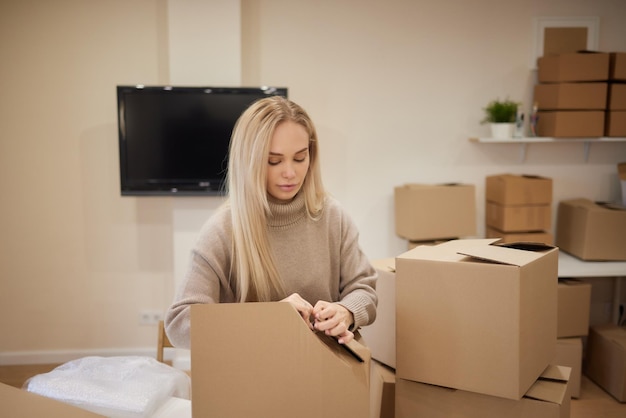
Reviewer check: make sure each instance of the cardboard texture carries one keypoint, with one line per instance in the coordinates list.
(591, 231)
(514, 189)
(427, 212)
(518, 218)
(571, 96)
(617, 69)
(18, 403)
(569, 353)
(615, 123)
(507, 237)
(617, 96)
(380, 336)
(568, 67)
(383, 391)
(262, 360)
(574, 303)
(559, 40)
(548, 397)
(570, 123)
(606, 359)
(476, 316)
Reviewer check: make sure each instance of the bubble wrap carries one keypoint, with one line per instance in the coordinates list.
(117, 387)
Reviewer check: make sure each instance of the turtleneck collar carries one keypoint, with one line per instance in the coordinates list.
(284, 214)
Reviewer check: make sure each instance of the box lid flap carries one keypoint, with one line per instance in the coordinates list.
(551, 385)
(516, 254)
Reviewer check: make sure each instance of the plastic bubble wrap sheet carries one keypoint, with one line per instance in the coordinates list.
(118, 387)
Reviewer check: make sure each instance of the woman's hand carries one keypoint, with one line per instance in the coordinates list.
(333, 319)
(302, 306)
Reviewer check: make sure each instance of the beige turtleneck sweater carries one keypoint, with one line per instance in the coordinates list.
(319, 259)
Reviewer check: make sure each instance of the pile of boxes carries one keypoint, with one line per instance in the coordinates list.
(581, 95)
(518, 208)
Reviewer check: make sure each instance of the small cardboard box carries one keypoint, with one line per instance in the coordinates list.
(591, 231)
(570, 123)
(476, 316)
(615, 123)
(506, 237)
(380, 336)
(262, 360)
(573, 67)
(617, 96)
(18, 403)
(426, 212)
(574, 304)
(518, 218)
(606, 359)
(571, 96)
(617, 69)
(569, 353)
(514, 189)
(548, 397)
(383, 391)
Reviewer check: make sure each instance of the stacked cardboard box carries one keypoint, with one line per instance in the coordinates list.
(518, 208)
(616, 106)
(571, 94)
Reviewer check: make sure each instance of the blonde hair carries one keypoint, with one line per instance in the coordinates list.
(257, 278)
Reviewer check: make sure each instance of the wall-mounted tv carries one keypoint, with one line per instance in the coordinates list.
(174, 140)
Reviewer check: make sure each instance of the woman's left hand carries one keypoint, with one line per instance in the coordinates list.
(333, 319)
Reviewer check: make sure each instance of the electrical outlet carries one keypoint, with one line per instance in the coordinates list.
(150, 317)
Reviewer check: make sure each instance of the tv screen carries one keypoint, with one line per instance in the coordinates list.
(174, 140)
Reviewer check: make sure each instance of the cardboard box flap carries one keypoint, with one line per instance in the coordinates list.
(515, 254)
(551, 385)
(385, 264)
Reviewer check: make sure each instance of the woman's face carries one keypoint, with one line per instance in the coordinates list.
(288, 160)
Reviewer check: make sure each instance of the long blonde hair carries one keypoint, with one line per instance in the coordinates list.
(257, 278)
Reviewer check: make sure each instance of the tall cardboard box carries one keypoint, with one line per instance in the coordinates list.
(573, 67)
(591, 231)
(426, 212)
(262, 360)
(516, 189)
(548, 397)
(606, 359)
(476, 316)
(574, 304)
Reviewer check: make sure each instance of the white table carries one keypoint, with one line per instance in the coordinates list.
(570, 266)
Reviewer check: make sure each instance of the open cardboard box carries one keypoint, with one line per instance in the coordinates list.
(262, 360)
(476, 316)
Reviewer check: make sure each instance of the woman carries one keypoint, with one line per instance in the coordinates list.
(279, 236)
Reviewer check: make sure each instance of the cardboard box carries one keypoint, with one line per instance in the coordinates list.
(606, 359)
(383, 391)
(518, 218)
(426, 212)
(617, 70)
(512, 189)
(569, 353)
(617, 96)
(591, 231)
(571, 96)
(262, 360)
(380, 336)
(548, 397)
(573, 67)
(543, 237)
(18, 403)
(570, 123)
(476, 316)
(574, 303)
(615, 123)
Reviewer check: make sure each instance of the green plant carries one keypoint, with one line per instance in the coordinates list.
(500, 111)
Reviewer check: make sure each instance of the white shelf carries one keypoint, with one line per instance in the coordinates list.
(523, 142)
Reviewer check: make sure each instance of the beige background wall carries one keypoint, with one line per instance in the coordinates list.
(395, 87)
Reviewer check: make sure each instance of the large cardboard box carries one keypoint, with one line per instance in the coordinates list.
(380, 336)
(591, 231)
(383, 391)
(515, 189)
(476, 316)
(573, 67)
(574, 303)
(617, 96)
(543, 237)
(606, 359)
(615, 123)
(262, 360)
(518, 218)
(18, 403)
(426, 212)
(571, 96)
(548, 397)
(617, 70)
(569, 353)
(570, 123)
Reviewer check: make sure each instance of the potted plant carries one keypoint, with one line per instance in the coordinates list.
(502, 115)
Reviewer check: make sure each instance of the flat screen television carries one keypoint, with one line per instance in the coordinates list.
(174, 140)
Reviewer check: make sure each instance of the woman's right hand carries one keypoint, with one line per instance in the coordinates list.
(302, 306)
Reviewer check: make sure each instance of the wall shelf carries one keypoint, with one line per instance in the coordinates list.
(523, 142)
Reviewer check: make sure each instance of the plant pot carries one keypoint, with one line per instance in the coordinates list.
(502, 130)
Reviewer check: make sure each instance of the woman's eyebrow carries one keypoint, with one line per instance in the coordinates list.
(297, 152)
